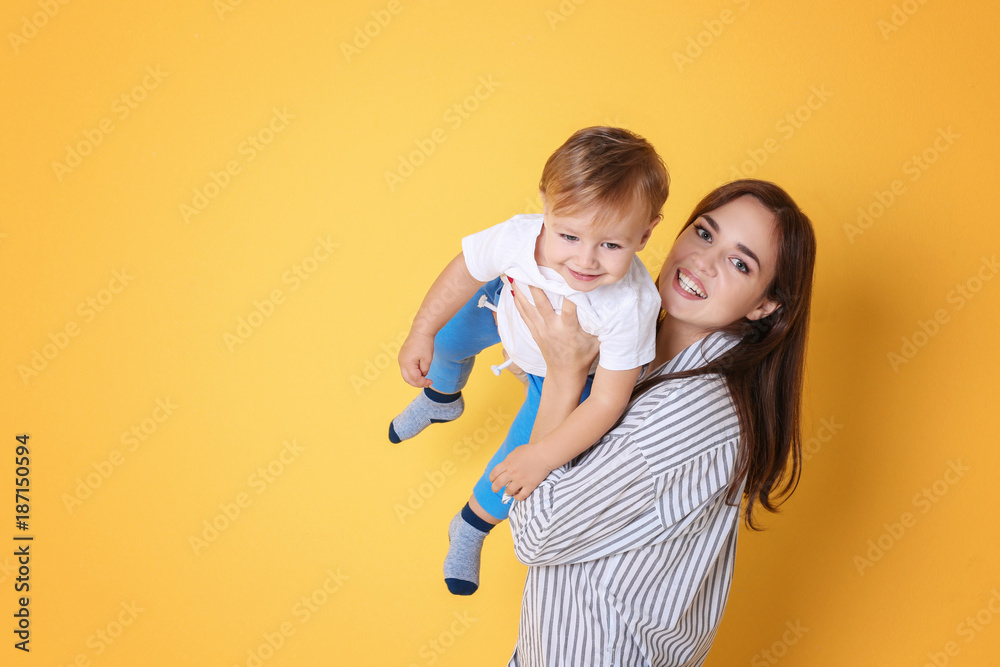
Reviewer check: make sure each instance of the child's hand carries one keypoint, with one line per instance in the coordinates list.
(521, 472)
(415, 359)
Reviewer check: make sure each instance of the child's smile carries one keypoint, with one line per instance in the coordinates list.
(588, 255)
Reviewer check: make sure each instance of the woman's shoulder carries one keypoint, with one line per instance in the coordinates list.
(699, 395)
(680, 420)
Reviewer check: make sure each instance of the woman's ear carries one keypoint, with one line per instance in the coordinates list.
(765, 308)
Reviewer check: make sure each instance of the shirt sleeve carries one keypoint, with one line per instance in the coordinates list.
(629, 341)
(658, 476)
(492, 251)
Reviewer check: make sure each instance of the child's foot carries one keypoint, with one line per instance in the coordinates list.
(429, 407)
(465, 544)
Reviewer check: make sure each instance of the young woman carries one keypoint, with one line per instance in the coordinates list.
(631, 546)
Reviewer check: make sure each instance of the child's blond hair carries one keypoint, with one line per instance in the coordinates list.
(611, 170)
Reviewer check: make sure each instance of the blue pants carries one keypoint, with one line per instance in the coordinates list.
(468, 333)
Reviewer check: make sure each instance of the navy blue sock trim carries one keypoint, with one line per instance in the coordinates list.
(474, 521)
(438, 397)
(460, 586)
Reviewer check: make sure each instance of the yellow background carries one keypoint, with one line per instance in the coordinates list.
(864, 565)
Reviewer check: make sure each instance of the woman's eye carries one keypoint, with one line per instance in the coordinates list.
(741, 265)
(702, 232)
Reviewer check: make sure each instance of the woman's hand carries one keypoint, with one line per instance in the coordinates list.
(565, 346)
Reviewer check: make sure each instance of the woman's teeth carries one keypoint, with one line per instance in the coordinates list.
(689, 286)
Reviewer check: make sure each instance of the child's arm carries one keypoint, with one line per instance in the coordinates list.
(452, 289)
(526, 467)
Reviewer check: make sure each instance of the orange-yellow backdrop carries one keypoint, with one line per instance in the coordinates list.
(219, 217)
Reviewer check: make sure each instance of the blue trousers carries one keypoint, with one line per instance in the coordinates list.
(468, 333)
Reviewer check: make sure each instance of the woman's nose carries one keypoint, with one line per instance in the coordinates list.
(705, 262)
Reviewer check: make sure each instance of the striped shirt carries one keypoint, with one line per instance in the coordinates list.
(630, 547)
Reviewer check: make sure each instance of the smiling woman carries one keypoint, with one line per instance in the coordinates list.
(631, 546)
(714, 257)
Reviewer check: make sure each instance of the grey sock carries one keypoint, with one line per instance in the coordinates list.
(421, 413)
(461, 565)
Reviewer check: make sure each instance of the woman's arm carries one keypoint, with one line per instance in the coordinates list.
(569, 353)
(663, 473)
(525, 467)
(564, 428)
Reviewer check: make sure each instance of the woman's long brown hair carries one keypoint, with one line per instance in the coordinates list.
(764, 370)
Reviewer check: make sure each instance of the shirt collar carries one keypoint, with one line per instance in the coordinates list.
(700, 353)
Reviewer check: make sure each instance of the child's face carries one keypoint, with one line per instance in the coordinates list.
(587, 257)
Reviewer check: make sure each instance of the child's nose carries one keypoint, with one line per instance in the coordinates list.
(588, 258)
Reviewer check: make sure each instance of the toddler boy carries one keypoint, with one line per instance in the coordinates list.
(602, 192)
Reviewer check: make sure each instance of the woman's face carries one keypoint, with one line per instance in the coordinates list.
(720, 266)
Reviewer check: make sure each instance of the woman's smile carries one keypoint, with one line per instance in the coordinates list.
(689, 286)
(720, 269)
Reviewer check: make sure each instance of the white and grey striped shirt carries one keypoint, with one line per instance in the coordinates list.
(631, 545)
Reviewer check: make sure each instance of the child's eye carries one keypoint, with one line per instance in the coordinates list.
(702, 233)
(612, 246)
(740, 265)
(568, 237)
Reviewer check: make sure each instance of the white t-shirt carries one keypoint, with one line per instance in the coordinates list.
(622, 314)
